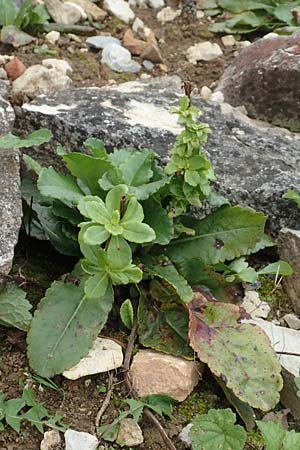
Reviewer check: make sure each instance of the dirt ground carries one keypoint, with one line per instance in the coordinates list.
(79, 401)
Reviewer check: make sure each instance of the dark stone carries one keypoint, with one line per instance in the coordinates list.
(265, 78)
(255, 165)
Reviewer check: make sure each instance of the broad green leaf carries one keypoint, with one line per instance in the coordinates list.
(134, 212)
(240, 354)
(35, 138)
(237, 7)
(63, 211)
(136, 170)
(114, 196)
(36, 416)
(118, 253)
(144, 191)
(292, 195)
(157, 218)
(162, 404)
(291, 440)
(31, 164)
(97, 208)
(93, 234)
(96, 286)
(226, 234)
(164, 330)
(64, 327)
(127, 314)
(277, 268)
(87, 168)
(217, 430)
(12, 408)
(170, 275)
(138, 232)
(7, 12)
(284, 13)
(25, 11)
(58, 186)
(14, 308)
(273, 435)
(96, 146)
(136, 409)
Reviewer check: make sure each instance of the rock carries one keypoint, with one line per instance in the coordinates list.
(130, 434)
(144, 32)
(270, 36)
(119, 59)
(200, 14)
(61, 66)
(135, 46)
(254, 306)
(156, 3)
(228, 40)
(102, 41)
(292, 320)
(285, 342)
(14, 68)
(76, 440)
(4, 86)
(12, 35)
(204, 51)
(243, 44)
(90, 9)
(67, 13)
(11, 204)
(38, 80)
(5, 59)
(288, 395)
(265, 78)
(76, 38)
(140, 3)
(148, 65)
(205, 93)
(167, 14)
(157, 373)
(152, 53)
(255, 163)
(3, 74)
(120, 9)
(52, 37)
(289, 250)
(217, 97)
(105, 355)
(184, 435)
(51, 440)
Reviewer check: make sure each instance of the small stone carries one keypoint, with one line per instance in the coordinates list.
(145, 76)
(5, 58)
(228, 40)
(148, 65)
(254, 306)
(200, 14)
(152, 53)
(14, 68)
(105, 355)
(52, 37)
(166, 15)
(75, 38)
(163, 68)
(135, 46)
(3, 74)
(155, 4)
(119, 59)
(244, 44)
(184, 435)
(51, 440)
(217, 97)
(204, 51)
(102, 41)
(91, 9)
(271, 36)
(120, 9)
(67, 13)
(61, 66)
(130, 434)
(157, 373)
(292, 320)
(140, 3)
(76, 440)
(137, 25)
(206, 92)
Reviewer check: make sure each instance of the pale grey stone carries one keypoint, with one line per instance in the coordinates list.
(119, 59)
(204, 51)
(120, 9)
(255, 163)
(102, 41)
(76, 440)
(51, 440)
(148, 64)
(184, 435)
(130, 434)
(292, 320)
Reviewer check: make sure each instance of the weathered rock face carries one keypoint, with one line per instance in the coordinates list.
(10, 197)
(289, 250)
(265, 77)
(255, 165)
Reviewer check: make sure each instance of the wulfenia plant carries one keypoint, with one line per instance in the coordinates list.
(129, 221)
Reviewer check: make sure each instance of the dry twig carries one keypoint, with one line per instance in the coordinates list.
(106, 400)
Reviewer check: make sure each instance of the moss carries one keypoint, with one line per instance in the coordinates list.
(197, 403)
(268, 292)
(255, 440)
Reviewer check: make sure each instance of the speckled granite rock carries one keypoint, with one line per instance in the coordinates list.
(254, 165)
(10, 196)
(265, 77)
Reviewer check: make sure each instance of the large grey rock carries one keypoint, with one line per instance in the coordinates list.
(10, 197)
(289, 250)
(254, 165)
(265, 78)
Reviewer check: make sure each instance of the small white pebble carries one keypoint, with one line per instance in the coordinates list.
(206, 92)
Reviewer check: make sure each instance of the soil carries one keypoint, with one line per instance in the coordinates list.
(79, 401)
